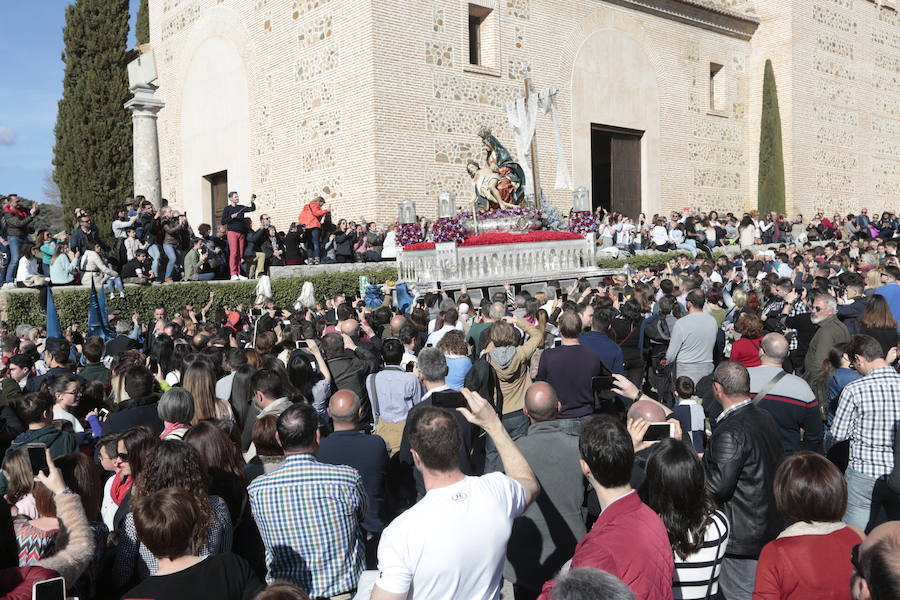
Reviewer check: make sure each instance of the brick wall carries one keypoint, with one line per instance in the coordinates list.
(369, 102)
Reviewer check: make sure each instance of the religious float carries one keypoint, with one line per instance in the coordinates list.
(499, 234)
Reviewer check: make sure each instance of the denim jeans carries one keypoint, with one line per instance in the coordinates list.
(516, 425)
(172, 255)
(115, 285)
(15, 248)
(859, 498)
(153, 251)
(205, 276)
(737, 577)
(315, 235)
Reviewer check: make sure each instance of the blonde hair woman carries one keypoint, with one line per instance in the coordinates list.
(199, 381)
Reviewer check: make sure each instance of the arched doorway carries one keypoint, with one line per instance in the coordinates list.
(615, 122)
(215, 128)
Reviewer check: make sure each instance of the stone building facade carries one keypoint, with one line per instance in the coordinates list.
(369, 102)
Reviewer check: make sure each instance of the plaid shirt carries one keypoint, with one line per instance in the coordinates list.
(309, 516)
(866, 413)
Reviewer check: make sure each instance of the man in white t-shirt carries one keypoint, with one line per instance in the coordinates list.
(452, 544)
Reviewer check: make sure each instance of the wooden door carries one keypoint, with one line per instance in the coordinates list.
(625, 186)
(218, 184)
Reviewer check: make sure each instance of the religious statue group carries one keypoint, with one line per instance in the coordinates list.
(500, 183)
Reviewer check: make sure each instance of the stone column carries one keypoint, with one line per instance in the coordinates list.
(143, 107)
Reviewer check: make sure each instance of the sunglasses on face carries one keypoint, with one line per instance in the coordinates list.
(817, 308)
(123, 456)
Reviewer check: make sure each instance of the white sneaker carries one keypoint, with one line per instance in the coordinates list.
(242, 278)
(122, 295)
(234, 277)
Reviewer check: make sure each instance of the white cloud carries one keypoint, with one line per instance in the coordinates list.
(7, 136)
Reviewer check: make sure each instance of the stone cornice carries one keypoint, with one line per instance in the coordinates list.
(699, 13)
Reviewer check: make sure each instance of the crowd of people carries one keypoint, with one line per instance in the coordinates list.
(157, 246)
(709, 428)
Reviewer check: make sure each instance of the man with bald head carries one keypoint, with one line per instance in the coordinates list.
(366, 453)
(534, 555)
(790, 400)
(876, 566)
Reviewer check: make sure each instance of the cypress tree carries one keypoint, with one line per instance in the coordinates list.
(142, 26)
(93, 155)
(770, 195)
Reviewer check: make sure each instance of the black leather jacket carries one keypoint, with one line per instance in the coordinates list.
(743, 454)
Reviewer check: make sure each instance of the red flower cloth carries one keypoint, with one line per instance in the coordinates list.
(488, 239)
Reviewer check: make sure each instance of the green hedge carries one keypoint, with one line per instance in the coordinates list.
(639, 261)
(72, 303)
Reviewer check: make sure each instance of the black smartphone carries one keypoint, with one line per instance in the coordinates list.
(602, 383)
(49, 589)
(564, 297)
(255, 312)
(621, 297)
(299, 344)
(557, 342)
(38, 456)
(659, 431)
(438, 285)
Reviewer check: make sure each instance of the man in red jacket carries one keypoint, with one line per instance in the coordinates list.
(309, 218)
(628, 540)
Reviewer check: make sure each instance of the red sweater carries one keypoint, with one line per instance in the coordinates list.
(806, 567)
(746, 352)
(630, 541)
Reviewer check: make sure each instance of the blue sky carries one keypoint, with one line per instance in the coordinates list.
(31, 73)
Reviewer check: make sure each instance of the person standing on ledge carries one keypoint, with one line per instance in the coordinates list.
(309, 218)
(233, 218)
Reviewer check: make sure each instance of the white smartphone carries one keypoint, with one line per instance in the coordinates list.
(103, 414)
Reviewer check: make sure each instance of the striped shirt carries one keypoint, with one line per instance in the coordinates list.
(692, 575)
(309, 516)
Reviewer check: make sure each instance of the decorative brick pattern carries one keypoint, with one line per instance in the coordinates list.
(327, 187)
(885, 82)
(464, 122)
(180, 21)
(828, 114)
(717, 130)
(724, 201)
(458, 183)
(437, 20)
(834, 68)
(886, 37)
(265, 172)
(886, 126)
(316, 128)
(318, 158)
(477, 91)
(318, 30)
(438, 54)
(302, 7)
(520, 9)
(265, 143)
(834, 159)
(716, 154)
(519, 37)
(717, 178)
(828, 43)
(836, 136)
(171, 5)
(888, 63)
(317, 95)
(842, 3)
(457, 153)
(835, 93)
(835, 20)
(885, 147)
(266, 199)
(830, 180)
(518, 68)
(887, 106)
(316, 63)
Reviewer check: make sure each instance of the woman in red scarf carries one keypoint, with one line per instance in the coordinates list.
(18, 222)
(132, 445)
